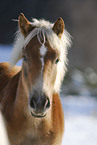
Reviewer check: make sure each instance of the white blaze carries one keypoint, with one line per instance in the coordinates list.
(42, 60)
(43, 51)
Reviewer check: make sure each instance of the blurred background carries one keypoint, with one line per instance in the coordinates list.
(80, 17)
(79, 90)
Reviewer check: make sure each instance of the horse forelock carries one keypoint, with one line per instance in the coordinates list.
(43, 31)
(42, 28)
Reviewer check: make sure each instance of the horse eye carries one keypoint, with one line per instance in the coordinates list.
(24, 58)
(57, 60)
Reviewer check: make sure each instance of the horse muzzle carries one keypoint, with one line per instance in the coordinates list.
(39, 105)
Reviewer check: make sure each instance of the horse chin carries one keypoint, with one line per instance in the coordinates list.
(38, 115)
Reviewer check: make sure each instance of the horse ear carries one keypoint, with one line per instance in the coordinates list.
(58, 27)
(24, 24)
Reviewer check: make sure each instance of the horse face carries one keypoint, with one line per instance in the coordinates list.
(40, 64)
(39, 73)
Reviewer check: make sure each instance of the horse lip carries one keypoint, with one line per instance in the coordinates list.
(38, 116)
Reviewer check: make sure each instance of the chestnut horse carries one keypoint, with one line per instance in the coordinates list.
(29, 95)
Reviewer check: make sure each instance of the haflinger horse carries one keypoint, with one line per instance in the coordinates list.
(29, 95)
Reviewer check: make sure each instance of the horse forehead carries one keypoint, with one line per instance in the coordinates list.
(43, 50)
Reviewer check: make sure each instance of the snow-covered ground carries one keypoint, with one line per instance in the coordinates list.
(3, 134)
(80, 120)
(80, 113)
(5, 53)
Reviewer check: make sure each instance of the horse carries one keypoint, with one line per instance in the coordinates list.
(29, 94)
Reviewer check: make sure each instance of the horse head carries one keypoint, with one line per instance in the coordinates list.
(43, 47)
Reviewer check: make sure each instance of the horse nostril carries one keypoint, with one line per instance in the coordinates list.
(47, 104)
(32, 103)
(39, 105)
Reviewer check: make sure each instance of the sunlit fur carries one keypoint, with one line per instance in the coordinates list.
(29, 95)
(44, 28)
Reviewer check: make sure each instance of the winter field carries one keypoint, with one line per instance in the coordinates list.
(80, 113)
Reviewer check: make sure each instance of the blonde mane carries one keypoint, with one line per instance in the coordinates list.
(44, 29)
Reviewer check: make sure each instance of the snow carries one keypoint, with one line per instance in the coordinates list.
(80, 131)
(5, 53)
(80, 120)
(80, 113)
(3, 134)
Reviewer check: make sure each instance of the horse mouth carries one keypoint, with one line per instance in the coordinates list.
(38, 116)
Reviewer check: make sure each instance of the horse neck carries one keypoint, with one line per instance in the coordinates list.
(18, 106)
(21, 97)
(9, 96)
